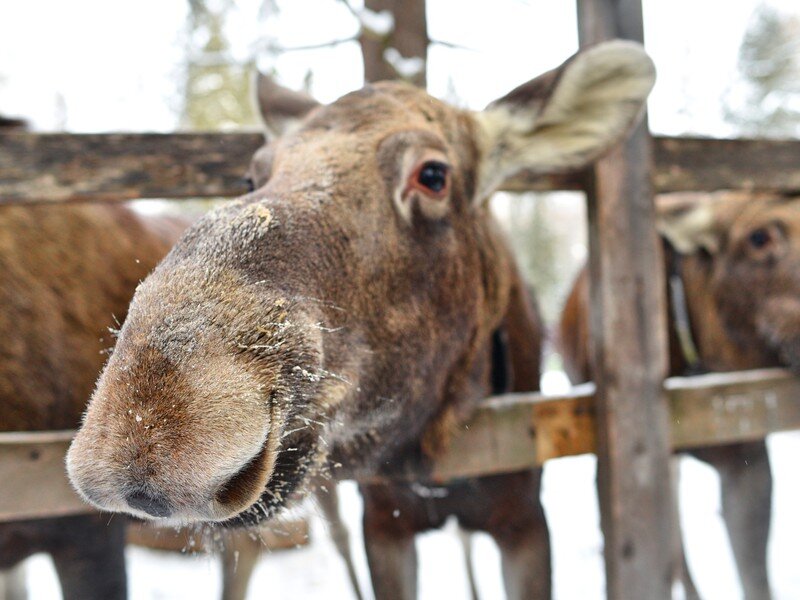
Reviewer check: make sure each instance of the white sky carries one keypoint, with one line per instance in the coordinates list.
(108, 65)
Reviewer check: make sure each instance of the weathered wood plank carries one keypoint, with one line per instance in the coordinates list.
(705, 410)
(720, 408)
(519, 431)
(697, 164)
(282, 535)
(628, 347)
(686, 164)
(114, 167)
(33, 479)
(516, 431)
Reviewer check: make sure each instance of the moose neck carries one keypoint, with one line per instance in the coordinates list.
(723, 343)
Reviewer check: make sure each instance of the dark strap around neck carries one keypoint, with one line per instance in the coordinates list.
(681, 320)
(500, 376)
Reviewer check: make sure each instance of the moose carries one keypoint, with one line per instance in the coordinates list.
(344, 313)
(69, 275)
(67, 272)
(732, 260)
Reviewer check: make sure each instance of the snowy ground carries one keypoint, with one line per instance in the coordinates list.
(315, 571)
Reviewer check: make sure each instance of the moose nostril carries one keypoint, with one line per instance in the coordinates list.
(246, 486)
(153, 505)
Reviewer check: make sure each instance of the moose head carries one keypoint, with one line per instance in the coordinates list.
(343, 310)
(741, 268)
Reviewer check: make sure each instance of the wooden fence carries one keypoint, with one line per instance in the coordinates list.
(633, 415)
(509, 432)
(64, 167)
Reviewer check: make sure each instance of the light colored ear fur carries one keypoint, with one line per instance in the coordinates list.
(695, 220)
(690, 221)
(568, 117)
(281, 109)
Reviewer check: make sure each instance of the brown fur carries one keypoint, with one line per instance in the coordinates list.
(744, 315)
(68, 273)
(68, 276)
(733, 329)
(506, 506)
(252, 295)
(343, 311)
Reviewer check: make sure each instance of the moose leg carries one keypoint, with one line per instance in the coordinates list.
(746, 493)
(466, 543)
(390, 525)
(90, 558)
(12, 583)
(239, 556)
(682, 572)
(525, 550)
(508, 508)
(328, 501)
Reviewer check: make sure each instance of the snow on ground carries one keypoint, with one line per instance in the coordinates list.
(316, 572)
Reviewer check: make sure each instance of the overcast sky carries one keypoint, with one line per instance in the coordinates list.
(106, 65)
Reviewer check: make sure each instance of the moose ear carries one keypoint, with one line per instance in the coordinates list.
(281, 109)
(568, 117)
(690, 221)
(696, 220)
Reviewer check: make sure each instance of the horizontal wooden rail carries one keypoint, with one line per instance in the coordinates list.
(510, 432)
(33, 480)
(121, 166)
(686, 164)
(279, 535)
(519, 431)
(114, 167)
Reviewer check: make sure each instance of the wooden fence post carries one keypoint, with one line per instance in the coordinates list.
(629, 347)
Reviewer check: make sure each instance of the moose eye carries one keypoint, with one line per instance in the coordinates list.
(759, 238)
(433, 175)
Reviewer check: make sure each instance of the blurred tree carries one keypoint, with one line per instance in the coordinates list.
(534, 244)
(394, 40)
(217, 91)
(769, 66)
(543, 229)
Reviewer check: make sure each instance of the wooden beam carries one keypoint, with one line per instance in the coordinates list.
(724, 408)
(114, 167)
(701, 165)
(689, 164)
(628, 347)
(283, 535)
(519, 431)
(33, 476)
(511, 432)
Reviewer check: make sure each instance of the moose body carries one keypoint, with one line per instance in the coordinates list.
(67, 273)
(737, 256)
(506, 506)
(343, 312)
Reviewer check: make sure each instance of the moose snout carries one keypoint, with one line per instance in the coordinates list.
(156, 479)
(154, 505)
(199, 448)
